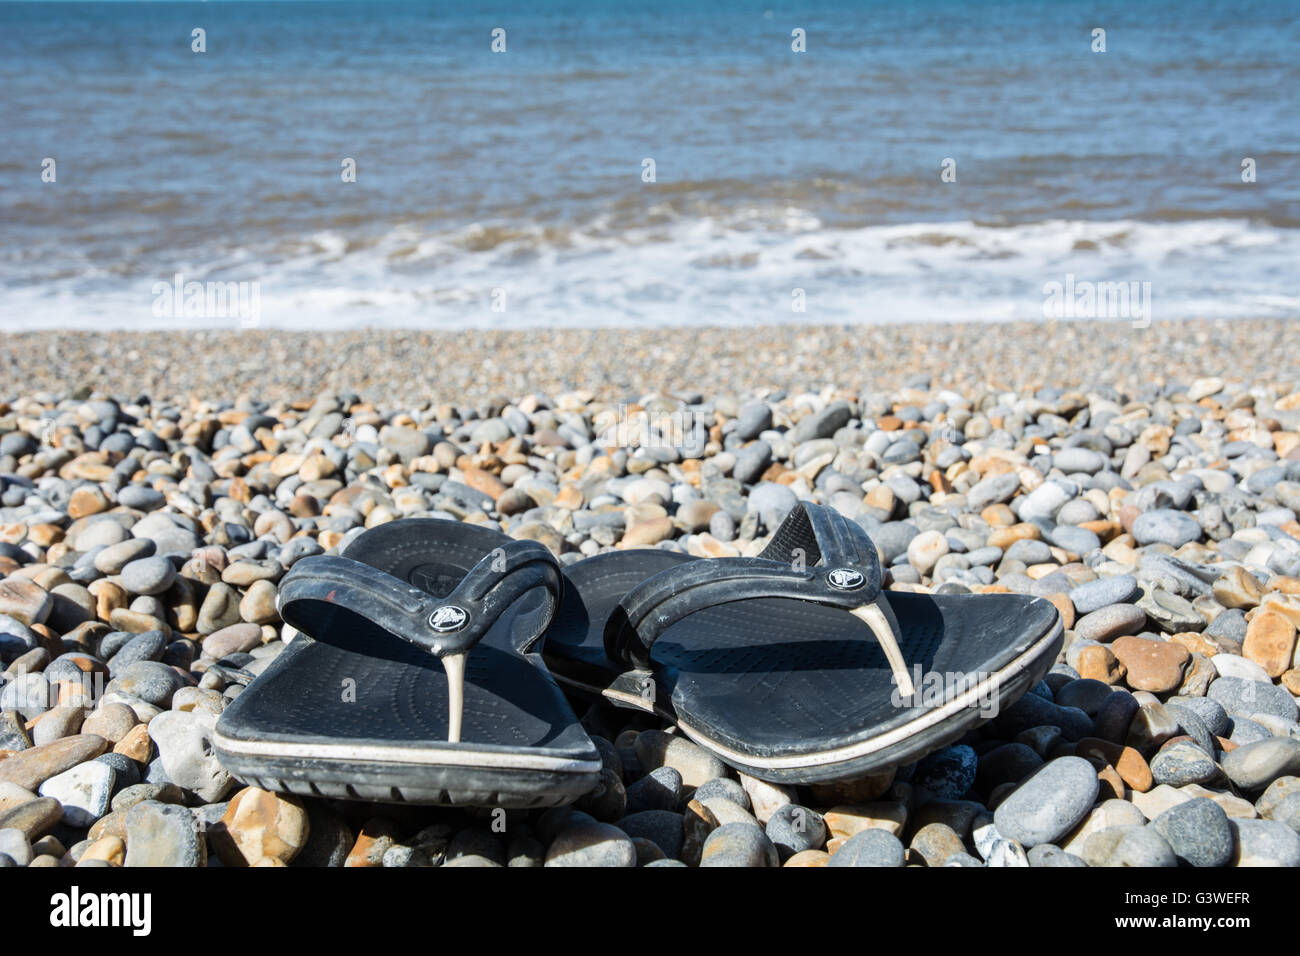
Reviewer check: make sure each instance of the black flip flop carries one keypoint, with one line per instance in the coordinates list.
(381, 697)
(796, 666)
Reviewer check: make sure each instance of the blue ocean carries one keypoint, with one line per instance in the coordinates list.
(517, 163)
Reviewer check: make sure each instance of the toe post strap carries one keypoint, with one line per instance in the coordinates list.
(875, 618)
(816, 555)
(447, 627)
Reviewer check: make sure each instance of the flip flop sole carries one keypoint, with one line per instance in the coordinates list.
(432, 776)
(364, 716)
(792, 692)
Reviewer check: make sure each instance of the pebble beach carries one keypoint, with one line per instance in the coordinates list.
(413, 366)
(154, 487)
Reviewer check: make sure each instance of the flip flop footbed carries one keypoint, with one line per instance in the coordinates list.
(364, 714)
(792, 691)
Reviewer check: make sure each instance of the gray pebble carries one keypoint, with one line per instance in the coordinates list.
(1110, 622)
(591, 843)
(1050, 803)
(793, 829)
(872, 847)
(1248, 698)
(1047, 854)
(723, 787)
(660, 789)
(1256, 765)
(148, 575)
(1198, 832)
(661, 827)
(1095, 595)
(1265, 843)
(1128, 846)
(1182, 763)
(1166, 526)
(739, 844)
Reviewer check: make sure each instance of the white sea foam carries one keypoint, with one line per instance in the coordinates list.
(738, 270)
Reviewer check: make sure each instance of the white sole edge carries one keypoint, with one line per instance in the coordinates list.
(422, 756)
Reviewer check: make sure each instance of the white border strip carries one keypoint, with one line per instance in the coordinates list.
(373, 753)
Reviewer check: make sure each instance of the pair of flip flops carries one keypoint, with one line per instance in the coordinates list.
(431, 657)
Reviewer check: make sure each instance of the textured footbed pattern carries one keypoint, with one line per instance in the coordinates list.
(774, 678)
(367, 689)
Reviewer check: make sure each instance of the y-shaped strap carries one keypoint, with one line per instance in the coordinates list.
(815, 555)
(446, 627)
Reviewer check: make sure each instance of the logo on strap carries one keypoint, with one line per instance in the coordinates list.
(845, 579)
(449, 617)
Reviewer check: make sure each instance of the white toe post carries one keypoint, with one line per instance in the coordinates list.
(454, 666)
(874, 618)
